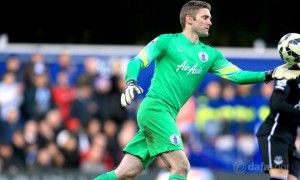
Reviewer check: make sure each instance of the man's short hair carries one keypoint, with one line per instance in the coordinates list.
(191, 8)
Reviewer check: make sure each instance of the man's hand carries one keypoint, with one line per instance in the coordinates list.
(128, 93)
(283, 72)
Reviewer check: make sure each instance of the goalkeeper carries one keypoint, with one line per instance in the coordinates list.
(181, 62)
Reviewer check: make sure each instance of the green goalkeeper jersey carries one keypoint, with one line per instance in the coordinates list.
(180, 67)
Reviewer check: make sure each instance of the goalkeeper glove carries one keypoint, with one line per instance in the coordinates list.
(128, 93)
(282, 72)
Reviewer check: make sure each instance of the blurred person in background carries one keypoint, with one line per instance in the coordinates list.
(278, 133)
(103, 97)
(13, 65)
(95, 157)
(11, 95)
(262, 102)
(68, 143)
(91, 70)
(34, 66)
(46, 134)
(54, 121)
(44, 161)
(37, 98)
(244, 110)
(9, 162)
(19, 148)
(63, 94)
(118, 113)
(181, 62)
(65, 63)
(12, 124)
(207, 122)
(84, 106)
(30, 132)
(228, 103)
(110, 130)
(93, 127)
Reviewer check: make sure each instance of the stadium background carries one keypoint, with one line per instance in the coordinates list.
(219, 146)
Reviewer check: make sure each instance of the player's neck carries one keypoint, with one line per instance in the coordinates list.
(194, 38)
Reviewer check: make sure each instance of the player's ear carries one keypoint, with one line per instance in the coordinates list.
(189, 19)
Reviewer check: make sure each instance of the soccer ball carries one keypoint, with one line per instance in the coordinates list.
(289, 48)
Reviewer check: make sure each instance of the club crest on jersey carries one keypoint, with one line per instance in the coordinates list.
(203, 56)
(175, 139)
(278, 160)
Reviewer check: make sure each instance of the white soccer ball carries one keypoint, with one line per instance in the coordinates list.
(289, 48)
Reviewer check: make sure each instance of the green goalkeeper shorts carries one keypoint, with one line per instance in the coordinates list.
(157, 133)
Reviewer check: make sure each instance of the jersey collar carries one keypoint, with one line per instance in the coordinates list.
(188, 42)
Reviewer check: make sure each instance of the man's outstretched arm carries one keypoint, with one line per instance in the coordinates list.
(133, 69)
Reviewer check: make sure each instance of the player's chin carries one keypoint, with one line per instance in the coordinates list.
(204, 35)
